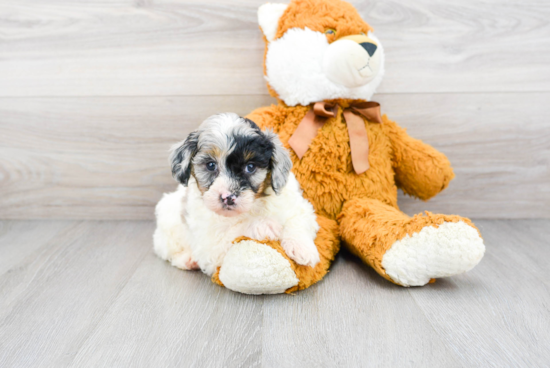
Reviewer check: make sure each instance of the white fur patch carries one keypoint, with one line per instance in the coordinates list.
(186, 225)
(347, 63)
(294, 69)
(222, 185)
(264, 228)
(255, 268)
(448, 250)
(302, 251)
(169, 238)
(268, 18)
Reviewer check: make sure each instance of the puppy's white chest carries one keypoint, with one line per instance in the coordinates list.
(210, 236)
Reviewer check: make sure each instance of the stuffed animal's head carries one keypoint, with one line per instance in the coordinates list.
(319, 50)
(232, 162)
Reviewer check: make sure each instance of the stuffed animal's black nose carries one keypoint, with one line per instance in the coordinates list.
(369, 47)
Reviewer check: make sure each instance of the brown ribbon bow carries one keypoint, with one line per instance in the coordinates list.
(358, 139)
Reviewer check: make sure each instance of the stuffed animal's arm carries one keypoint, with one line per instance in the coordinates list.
(270, 117)
(420, 170)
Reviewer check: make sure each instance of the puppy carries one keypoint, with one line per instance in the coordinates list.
(235, 181)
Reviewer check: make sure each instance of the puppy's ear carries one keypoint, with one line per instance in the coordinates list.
(182, 157)
(280, 163)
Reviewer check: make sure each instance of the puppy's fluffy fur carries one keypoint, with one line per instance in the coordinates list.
(235, 181)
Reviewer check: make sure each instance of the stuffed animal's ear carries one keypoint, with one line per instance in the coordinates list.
(268, 18)
(182, 157)
(280, 163)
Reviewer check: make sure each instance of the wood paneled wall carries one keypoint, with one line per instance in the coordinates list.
(93, 93)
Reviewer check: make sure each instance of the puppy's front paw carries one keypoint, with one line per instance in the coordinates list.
(262, 229)
(184, 260)
(303, 252)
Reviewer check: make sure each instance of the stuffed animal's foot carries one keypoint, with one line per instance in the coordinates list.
(409, 251)
(251, 267)
(446, 250)
(263, 267)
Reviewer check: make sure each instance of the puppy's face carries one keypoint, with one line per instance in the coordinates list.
(233, 163)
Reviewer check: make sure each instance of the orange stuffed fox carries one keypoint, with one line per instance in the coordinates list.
(323, 63)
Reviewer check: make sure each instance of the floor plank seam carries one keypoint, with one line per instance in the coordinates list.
(261, 360)
(46, 248)
(108, 309)
(455, 354)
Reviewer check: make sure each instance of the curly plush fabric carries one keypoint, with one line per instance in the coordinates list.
(358, 209)
(365, 206)
(326, 173)
(319, 16)
(328, 245)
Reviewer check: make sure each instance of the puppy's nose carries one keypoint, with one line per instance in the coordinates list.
(228, 198)
(369, 47)
(230, 201)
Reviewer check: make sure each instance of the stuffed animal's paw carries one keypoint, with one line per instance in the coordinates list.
(264, 228)
(450, 249)
(184, 260)
(251, 267)
(301, 251)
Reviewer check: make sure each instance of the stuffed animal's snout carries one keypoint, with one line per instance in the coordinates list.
(352, 61)
(369, 47)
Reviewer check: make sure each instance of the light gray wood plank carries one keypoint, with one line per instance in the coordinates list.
(353, 318)
(19, 240)
(143, 48)
(52, 300)
(498, 144)
(497, 315)
(106, 158)
(167, 317)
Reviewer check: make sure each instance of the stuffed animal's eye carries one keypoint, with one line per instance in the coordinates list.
(363, 33)
(330, 32)
(211, 166)
(250, 168)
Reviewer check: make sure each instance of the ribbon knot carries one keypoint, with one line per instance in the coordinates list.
(358, 139)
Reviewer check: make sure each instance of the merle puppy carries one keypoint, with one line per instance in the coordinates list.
(235, 181)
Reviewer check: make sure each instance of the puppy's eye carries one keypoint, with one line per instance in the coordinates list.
(211, 166)
(330, 32)
(250, 168)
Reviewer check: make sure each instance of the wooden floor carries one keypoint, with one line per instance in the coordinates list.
(92, 294)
